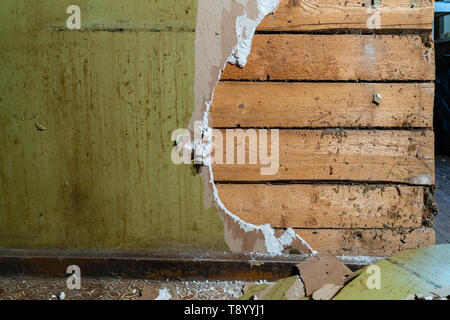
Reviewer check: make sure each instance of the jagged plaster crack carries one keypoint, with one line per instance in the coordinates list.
(245, 28)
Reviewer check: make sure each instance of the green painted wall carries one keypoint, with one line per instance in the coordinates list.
(100, 176)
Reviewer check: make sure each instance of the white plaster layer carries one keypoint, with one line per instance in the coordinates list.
(359, 260)
(164, 294)
(245, 27)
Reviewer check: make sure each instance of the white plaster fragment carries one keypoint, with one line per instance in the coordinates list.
(359, 260)
(422, 179)
(164, 294)
(245, 30)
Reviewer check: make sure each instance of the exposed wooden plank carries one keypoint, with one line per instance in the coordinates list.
(308, 15)
(287, 104)
(370, 242)
(355, 155)
(337, 57)
(325, 206)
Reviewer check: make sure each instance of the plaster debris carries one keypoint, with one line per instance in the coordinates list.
(245, 30)
(164, 294)
(161, 292)
(424, 179)
(377, 98)
(232, 289)
(40, 127)
(359, 260)
(297, 291)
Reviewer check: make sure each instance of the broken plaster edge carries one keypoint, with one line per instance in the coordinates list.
(245, 31)
(241, 51)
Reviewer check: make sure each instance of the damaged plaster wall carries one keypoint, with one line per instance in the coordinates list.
(224, 33)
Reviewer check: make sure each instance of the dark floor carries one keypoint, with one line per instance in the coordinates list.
(115, 289)
(442, 222)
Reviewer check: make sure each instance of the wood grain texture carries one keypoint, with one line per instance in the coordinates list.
(337, 57)
(313, 15)
(288, 104)
(325, 206)
(405, 156)
(367, 242)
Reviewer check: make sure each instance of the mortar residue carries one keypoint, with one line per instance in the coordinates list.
(224, 34)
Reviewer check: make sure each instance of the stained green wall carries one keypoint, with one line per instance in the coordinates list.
(100, 176)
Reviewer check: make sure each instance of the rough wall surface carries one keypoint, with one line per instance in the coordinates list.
(86, 118)
(109, 96)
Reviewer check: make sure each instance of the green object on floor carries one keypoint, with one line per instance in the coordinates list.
(254, 289)
(279, 290)
(276, 291)
(414, 271)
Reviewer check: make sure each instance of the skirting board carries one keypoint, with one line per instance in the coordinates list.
(157, 266)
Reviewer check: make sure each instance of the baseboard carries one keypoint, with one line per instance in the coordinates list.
(156, 265)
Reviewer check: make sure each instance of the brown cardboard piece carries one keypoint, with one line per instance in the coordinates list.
(322, 269)
(327, 292)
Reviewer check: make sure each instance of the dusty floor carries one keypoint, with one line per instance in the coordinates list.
(442, 222)
(113, 289)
